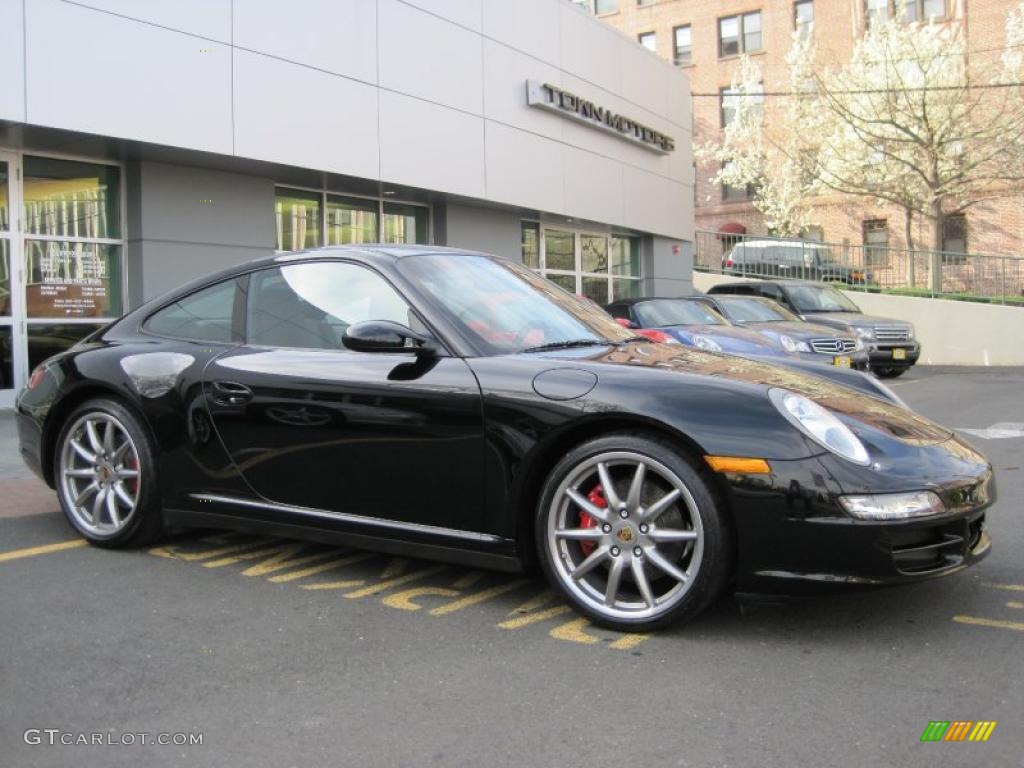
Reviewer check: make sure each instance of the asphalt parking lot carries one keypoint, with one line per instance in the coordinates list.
(285, 654)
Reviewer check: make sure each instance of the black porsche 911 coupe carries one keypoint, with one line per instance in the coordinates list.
(454, 405)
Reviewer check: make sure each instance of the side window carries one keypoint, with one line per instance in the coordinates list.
(771, 292)
(310, 305)
(204, 316)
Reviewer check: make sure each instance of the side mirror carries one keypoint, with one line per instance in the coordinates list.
(386, 336)
(625, 323)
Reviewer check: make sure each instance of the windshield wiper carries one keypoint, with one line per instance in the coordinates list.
(567, 345)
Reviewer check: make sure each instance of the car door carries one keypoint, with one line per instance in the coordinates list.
(312, 424)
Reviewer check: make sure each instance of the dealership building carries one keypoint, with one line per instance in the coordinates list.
(143, 144)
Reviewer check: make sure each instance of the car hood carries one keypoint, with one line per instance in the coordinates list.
(851, 319)
(868, 415)
(795, 329)
(731, 339)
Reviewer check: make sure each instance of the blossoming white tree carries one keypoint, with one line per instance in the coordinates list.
(913, 119)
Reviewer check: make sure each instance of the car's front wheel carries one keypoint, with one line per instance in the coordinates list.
(632, 533)
(106, 476)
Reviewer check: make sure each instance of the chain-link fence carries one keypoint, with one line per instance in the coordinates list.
(970, 276)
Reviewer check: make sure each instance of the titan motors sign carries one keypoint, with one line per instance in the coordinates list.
(553, 99)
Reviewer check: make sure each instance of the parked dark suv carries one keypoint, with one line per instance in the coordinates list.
(891, 346)
(792, 259)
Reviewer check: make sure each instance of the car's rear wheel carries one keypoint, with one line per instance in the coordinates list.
(106, 476)
(632, 533)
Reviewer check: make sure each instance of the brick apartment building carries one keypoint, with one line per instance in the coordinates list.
(706, 37)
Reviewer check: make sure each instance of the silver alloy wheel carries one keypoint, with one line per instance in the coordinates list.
(639, 555)
(100, 478)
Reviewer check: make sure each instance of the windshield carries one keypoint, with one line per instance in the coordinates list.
(751, 310)
(504, 307)
(658, 313)
(820, 298)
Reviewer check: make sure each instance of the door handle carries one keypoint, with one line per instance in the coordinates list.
(231, 393)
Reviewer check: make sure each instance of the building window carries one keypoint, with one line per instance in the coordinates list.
(876, 243)
(606, 6)
(683, 38)
(739, 34)
(731, 194)
(729, 100)
(600, 266)
(648, 40)
(308, 219)
(906, 10)
(954, 239)
(803, 18)
(645, 2)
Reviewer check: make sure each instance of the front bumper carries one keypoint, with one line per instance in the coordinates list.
(795, 539)
(858, 359)
(888, 355)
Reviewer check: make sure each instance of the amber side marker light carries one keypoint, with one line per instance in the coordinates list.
(736, 464)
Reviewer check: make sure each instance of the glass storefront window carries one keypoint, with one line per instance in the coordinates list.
(625, 256)
(351, 220)
(531, 244)
(559, 249)
(6, 358)
(5, 278)
(565, 281)
(66, 198)
(404, 224)
(594, 253)
(74, 279)
(47, 340)
(298, 219)
(596, 288)
(625, 289)
(5, 204)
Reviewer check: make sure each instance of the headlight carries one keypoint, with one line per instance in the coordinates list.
(893, 506)
(705, 343)
(865, 333)
(858, 345)
(820, 425)
(910, 332)
(791, 345)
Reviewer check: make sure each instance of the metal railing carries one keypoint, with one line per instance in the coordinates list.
(969, 276)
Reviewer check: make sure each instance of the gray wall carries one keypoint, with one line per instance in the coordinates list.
(175, 235)
(420, 93)
(667, 273)
(484, 229)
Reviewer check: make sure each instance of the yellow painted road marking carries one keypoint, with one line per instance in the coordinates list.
(469, 580)
(284, 560)
(1011, 587)
(404, 600)
(477, 598)
(45, 549)
(573, 632)
(273, 549)
(629, 641)
(381, 586)
(396, 567)
(529, 613)
(174, 554)
(1017, 625)
(330, 565)
(1014, 604)
(335, 584)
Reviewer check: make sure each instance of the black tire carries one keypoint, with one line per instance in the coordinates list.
(889, 373)
(143, 524)
(712, 547)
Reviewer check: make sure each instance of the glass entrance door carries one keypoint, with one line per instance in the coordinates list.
(10, 292)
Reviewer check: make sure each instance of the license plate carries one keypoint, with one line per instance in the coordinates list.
(899, 354)
(842, 361)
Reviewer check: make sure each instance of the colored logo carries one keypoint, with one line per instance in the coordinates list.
(958, 730)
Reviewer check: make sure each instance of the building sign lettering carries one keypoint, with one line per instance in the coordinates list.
(554, 99)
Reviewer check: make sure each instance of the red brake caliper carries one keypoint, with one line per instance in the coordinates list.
(595, 497)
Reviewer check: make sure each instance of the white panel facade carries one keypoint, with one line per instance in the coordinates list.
(154, 85)
(524, 169)
(338, 36)
(465, 13)
(593, 51)
(300, 116)
(430, 146)
(593, 185)
(430, 58)
(506, 71)
(205, 18)
(12, 61)
(530, 26)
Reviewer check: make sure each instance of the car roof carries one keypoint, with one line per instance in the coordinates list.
(639, 299)
(787, 243)
(771, 282)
